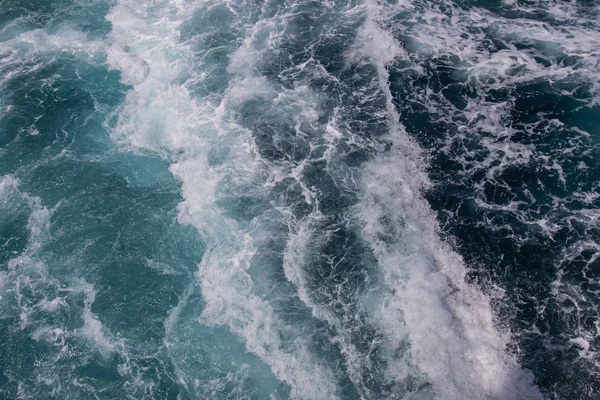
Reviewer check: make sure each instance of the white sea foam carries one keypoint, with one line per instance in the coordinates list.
(162, 116)
(577, 300)
(449, 323)
(7, 184)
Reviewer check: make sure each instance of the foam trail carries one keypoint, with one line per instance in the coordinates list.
(551, 43)
(450, 323)
(358, 342)
(163, 116)
(300, 246)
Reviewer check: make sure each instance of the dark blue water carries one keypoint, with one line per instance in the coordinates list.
(299, 199)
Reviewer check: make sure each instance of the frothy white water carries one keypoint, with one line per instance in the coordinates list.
(213, 157)
(449, 323)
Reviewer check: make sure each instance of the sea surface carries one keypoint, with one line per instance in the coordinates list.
(295, 199)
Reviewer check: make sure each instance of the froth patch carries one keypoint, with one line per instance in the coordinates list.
(374, 43)
(450, 325)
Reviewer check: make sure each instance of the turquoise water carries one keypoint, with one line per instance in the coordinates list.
(299, 199)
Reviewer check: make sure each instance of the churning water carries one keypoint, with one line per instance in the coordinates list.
(223, 199)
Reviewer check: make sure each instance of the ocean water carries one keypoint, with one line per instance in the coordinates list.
(359, 199)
